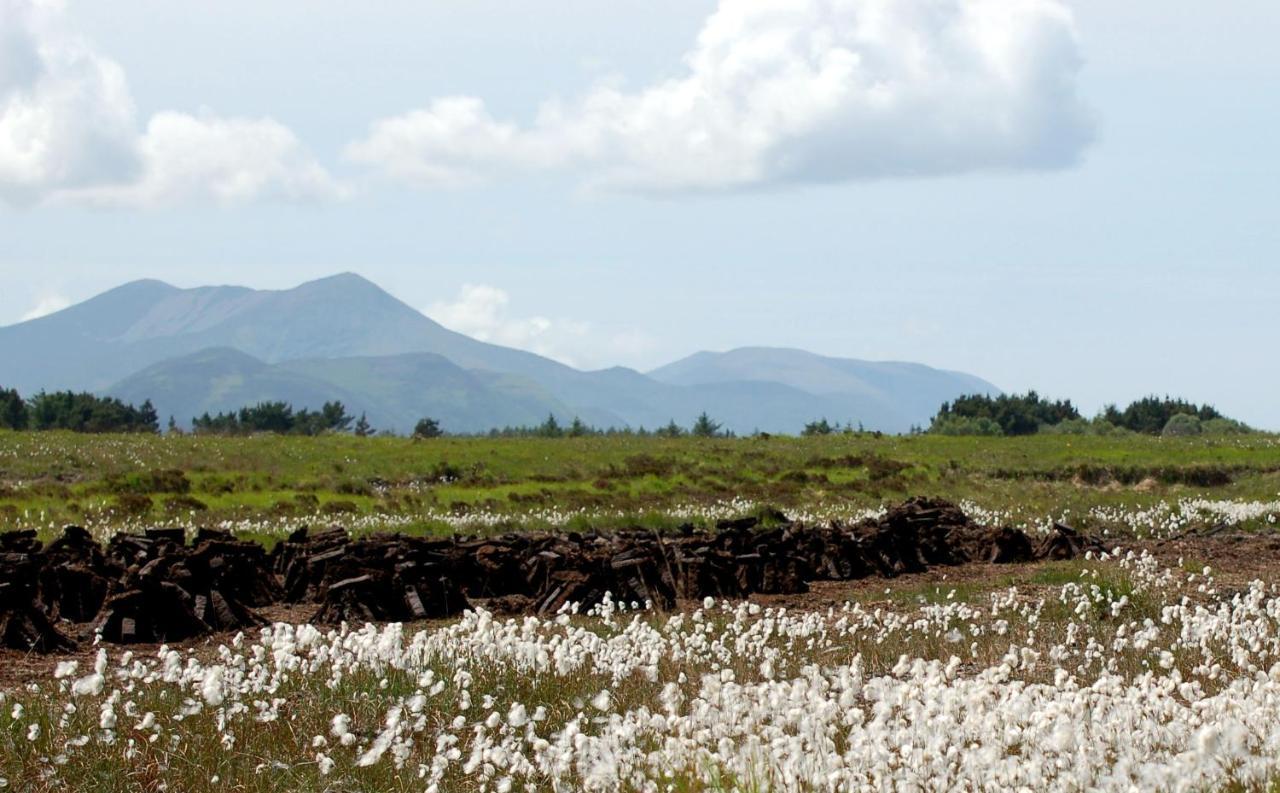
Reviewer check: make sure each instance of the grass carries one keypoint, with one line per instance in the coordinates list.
(51, 479)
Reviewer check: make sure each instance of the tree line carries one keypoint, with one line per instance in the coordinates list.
(975, 414)
(702, 427)
(280, 418)
(86, 412)
(78, 412)
(1029, 413)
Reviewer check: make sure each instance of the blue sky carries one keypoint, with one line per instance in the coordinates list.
(1078, 197)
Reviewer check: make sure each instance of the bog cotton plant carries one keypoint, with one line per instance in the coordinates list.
(1163, 520)
(1128, 675)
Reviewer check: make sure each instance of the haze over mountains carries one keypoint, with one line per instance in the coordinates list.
(218, 348)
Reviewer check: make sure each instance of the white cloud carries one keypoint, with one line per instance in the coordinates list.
(782, 91)
(481, 312)
(66, 116)
(187, 157)
(453, 142)
(49, 304)
(68, 132)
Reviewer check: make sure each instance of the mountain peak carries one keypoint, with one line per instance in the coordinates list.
(153, 284)
(350, 290)
(142, 289)
(345, 279)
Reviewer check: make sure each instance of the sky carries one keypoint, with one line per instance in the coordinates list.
(1076, 197)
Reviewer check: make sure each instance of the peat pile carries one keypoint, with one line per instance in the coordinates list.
(156, 587)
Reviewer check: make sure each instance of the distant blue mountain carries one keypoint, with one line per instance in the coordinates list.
(879, 393)
(343, 337)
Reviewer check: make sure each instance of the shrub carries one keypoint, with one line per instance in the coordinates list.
(147, 482)
(638, 465)
(965, 425)
(133, 505)
(1103, 427)
(1225, 426)
(1096, 426)
(339, 508)
(1182, 424)
(176, 505)
(1070, 427)
(354, 487)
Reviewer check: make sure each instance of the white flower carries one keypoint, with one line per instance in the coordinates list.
(89, 685)
(211, 686)
(517, 716)
(340, 725)
(601, 701)
(383, 741)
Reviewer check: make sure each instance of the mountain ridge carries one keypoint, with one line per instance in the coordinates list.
(148, 331)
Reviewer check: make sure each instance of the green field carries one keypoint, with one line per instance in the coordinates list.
(51, 479)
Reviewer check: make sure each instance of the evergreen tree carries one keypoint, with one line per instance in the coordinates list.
(1015, 414)
(672, 430)
(550, 428)
(821, 427)
(146, 419)
(363, 429)
(1150, 414)
(85, 412)
(13, 410)
(334, 417)
(704, 427)
(277, 417)
(427, 428)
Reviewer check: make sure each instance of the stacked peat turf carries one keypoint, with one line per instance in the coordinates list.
(170, 591)
(24, 625)
(382, 578)
(153, 587)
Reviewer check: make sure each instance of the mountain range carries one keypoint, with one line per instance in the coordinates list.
(220, 347)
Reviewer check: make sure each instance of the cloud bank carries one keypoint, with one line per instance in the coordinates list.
(69, 132)
(778, 92)
(46, 305)
(481, 312)
(771, 93)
